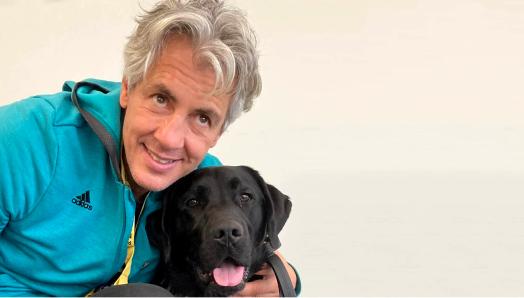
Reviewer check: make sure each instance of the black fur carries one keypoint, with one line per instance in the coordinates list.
(212, 215)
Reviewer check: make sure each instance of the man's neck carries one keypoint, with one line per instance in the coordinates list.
(139, 192)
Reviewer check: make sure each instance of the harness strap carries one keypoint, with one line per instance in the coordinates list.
(285, 287)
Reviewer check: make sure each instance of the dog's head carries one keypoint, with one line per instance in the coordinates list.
(214, 226)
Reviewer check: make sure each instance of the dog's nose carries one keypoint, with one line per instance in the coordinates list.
(227, 233)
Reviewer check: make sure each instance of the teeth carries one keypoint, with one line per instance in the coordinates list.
(160, 160)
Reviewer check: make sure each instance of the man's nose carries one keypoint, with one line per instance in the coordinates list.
(172, 132)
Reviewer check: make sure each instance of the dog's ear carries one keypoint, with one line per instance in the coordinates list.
(281, 206)
(157, 234)
(277, 209)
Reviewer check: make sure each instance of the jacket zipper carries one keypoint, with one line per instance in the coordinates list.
(137, 217)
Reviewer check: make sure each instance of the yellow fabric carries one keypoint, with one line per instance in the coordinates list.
(124, 276)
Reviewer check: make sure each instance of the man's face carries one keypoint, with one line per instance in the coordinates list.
(171, 121)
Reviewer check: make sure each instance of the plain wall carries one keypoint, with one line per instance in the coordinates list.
(396, 128)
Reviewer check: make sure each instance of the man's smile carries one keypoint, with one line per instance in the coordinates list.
(163, 160)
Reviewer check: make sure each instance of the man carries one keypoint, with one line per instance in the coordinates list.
(80, 169)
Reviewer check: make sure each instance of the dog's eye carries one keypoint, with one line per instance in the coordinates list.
(245, 197)
(192, 203)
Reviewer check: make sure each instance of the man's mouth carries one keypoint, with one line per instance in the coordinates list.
(159, 159)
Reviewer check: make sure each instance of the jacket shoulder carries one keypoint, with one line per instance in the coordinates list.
(209, 161)
(28, 153)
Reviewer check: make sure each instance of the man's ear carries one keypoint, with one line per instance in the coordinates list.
(124, 95)
(215, 140)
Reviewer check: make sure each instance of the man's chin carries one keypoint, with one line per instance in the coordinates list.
(150, 181)
(153, 183)
(156, 186)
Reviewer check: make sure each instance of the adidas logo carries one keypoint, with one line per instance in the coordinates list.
(83, 200)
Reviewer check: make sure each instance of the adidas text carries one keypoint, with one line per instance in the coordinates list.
(82, 204)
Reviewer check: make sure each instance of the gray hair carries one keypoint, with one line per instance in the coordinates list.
(221, 36)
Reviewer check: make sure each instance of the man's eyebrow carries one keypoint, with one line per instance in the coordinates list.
(161, 88)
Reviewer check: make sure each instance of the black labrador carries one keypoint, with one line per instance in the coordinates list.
(214, 230)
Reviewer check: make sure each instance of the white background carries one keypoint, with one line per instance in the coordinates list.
(396, 127)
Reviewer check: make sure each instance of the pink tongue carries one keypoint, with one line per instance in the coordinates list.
(228, 275)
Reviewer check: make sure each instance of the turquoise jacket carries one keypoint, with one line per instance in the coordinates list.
(65, 216)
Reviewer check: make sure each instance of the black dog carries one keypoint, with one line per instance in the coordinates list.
(214, 230)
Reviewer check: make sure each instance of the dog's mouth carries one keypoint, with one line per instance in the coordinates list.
(228, 274)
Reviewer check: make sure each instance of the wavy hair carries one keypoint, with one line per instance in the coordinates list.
(221, 36)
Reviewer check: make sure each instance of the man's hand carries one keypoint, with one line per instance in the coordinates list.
(267, 286)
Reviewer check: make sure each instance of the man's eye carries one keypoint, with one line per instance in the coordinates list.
(204, 120)
(160, 100)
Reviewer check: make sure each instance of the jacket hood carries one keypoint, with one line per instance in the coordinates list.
(101, 105)
(98, 103)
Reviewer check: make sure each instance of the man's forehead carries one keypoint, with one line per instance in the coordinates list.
(180, 51)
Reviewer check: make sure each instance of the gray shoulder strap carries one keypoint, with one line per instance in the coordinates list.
(98, 128)
(284, 282)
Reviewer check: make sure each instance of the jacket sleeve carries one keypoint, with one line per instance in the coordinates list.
(27, 156)
(298, 286)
